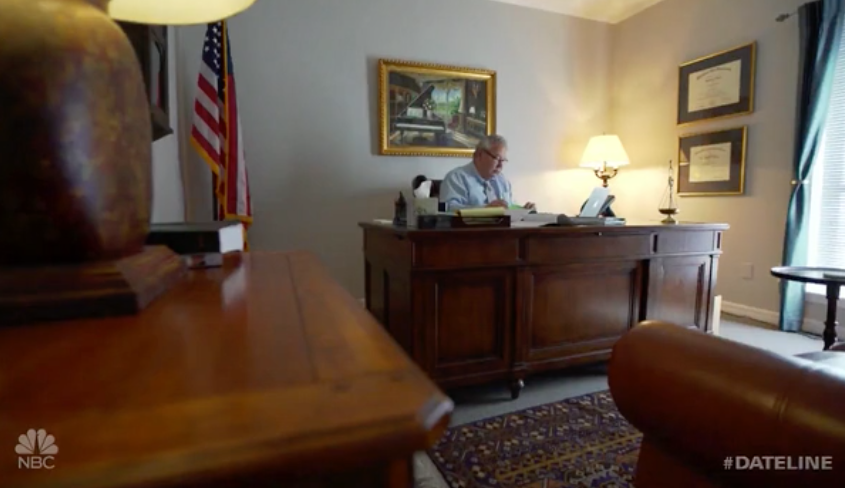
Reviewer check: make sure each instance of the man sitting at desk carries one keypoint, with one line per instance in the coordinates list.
(480, 183)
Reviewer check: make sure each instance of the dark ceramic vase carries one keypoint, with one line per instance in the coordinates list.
(75, 136)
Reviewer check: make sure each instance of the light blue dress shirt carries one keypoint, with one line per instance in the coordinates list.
(463, 187)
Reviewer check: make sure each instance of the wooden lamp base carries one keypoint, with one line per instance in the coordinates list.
(95, 289)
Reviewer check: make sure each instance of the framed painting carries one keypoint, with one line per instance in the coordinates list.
(434, 110)
(712, 163)
(717, 86)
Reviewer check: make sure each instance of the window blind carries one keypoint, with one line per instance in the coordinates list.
(827, 222)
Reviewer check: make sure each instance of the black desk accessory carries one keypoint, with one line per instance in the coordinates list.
(400, 211)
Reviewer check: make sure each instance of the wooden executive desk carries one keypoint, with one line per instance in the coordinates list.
(264, 373)
(473, 305)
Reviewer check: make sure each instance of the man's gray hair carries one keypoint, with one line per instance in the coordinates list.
(487, 142)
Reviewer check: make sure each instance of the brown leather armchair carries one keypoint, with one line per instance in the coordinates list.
(699, 399)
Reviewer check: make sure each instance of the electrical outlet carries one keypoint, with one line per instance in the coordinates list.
(747, 271)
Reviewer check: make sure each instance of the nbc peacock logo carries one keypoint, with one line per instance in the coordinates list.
(36, 449)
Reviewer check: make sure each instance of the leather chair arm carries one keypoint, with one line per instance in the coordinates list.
(703, 398)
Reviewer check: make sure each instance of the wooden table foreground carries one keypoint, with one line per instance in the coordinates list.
(262, 373)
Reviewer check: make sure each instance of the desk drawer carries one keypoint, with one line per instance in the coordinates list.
(594, 245)
(466, 252)
(678, 242)
(388, 246)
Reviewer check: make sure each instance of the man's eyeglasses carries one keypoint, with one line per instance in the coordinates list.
(497, 158)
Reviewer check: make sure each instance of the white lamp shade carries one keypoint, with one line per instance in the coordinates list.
(175, 12)
(606, 149)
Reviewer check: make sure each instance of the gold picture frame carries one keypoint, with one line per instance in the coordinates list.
(432, 109)
(717, 86)
(712, 163)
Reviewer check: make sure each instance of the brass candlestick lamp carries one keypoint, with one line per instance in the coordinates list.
(604, 155)
(76, 171)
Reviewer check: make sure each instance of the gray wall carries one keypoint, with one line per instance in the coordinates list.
(306, 79)
(647, 50)
(306, 83)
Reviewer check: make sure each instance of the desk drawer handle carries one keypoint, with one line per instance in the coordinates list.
(599, 233)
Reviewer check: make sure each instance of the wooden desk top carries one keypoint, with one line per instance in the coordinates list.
(631, 227)
(265, 367)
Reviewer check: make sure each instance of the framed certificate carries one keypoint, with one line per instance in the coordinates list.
(712, 163)
(716, 86)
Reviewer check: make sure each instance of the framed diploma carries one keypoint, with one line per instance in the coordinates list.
(716, 86)
(712, 163)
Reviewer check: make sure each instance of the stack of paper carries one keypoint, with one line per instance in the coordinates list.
(517, 213)
(535, 220)
(482, 212)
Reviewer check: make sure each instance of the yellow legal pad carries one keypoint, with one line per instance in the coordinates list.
(482, 212)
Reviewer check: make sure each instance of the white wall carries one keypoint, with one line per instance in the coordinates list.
(168, 194)
(306, 78)
(647, 50)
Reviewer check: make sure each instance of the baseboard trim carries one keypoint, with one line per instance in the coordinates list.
(812, 326)
(753, 313)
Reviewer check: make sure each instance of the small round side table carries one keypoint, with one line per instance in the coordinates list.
(833, 282)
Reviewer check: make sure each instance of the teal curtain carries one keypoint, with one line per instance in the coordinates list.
(821, 25)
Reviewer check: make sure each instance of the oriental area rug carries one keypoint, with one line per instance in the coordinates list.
(578, 442)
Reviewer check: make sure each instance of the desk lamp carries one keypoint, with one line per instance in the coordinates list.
(604, 155)
(76, 168)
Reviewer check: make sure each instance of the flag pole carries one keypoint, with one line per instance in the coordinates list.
(216, 131)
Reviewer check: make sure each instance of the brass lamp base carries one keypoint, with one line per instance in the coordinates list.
(76, 173)
(95, 289)
(605, 174)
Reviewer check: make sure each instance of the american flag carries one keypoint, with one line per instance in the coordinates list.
(216, 132)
